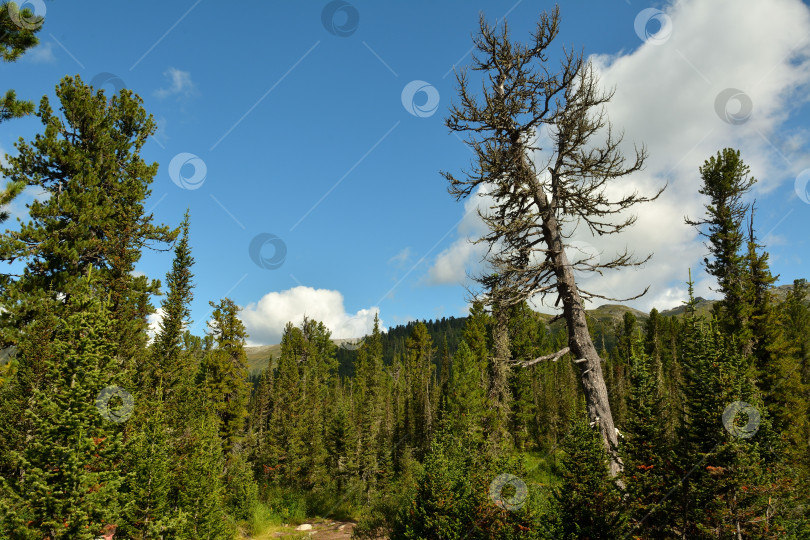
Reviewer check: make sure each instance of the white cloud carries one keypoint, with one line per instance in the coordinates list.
(401, 258)
(265, 320)
(42, 54)
(154, 320)
(452, 264)
(665, 98)
(180, 84)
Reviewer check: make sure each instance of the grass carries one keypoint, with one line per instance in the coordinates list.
(541, 474)
(292, 507)
(270, 532)
(266, 520)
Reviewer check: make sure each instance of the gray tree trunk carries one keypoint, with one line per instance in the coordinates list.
(579, 339)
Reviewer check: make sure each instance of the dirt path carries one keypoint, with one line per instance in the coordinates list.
(321, 530)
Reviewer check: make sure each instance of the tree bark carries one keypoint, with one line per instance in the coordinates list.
(499, 395)
(579, 339)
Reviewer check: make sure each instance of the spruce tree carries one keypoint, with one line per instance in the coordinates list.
(442, 386)
(201, 501)
(476, 332)
(226, 372)
(261, 402)
(296, 443)
(646, 452)
(654, 346)
(319, 370)
(369, 397)
(169, 364)
(284, 437)
(726, 180)
(67, 479)
(726, 444)
(341, 440)
(150, 460)
(527, 339)
(587, 502)
(775, 363)
(419, 375)
(795, 322)
(466, 405)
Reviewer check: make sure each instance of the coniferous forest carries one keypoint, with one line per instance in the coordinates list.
(507, 423)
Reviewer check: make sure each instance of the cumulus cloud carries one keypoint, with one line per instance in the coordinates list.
(265, 320)
(666, 98)
(154, 320)
(180, 84)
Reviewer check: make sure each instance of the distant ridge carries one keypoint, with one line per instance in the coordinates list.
(259, 357)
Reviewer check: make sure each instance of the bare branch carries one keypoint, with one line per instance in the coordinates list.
(553, 357)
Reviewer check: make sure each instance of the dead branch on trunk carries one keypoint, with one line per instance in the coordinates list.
(553, 357)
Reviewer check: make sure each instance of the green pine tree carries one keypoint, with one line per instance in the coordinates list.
(587, 502)
(319, 369)
(726, 180)
(646, 452)
(527, 338)
(169, 364)
(150, 461)
(368, 392)
(226, 372)
(284, 437)
(419, 369)
(88, 163)
(201, 497)
(466, 407)
(67, 479)
(341, 441)
(726, 445)
(15, 40)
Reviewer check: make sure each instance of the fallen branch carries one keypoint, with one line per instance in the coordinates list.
(553, 357)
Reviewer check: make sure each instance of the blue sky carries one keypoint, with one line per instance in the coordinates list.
(287, 120)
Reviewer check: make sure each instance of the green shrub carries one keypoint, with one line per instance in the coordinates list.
(379, 517)
(242, 492)
(261, 517)
(461, 494)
